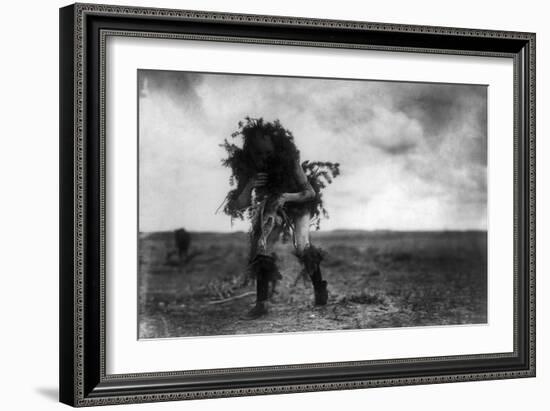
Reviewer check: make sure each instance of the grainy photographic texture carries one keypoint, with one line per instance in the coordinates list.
(279, 204)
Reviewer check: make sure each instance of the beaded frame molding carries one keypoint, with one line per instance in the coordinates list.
(84, 29)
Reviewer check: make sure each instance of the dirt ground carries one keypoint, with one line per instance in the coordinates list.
(375, 279)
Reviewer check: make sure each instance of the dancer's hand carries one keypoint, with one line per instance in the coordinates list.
(259, 180)
(280, 201)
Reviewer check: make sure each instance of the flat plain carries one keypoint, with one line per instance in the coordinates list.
(376, 279)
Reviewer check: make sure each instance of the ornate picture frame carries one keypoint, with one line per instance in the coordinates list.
(84, 32)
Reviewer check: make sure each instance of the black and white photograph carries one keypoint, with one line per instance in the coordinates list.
(337, 203)
(272, 204)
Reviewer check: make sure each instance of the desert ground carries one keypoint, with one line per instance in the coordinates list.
(375, 279)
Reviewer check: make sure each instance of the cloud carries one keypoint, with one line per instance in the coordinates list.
(407, 150)
(179, 87)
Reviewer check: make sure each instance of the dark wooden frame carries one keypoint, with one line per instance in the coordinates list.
(83, 29)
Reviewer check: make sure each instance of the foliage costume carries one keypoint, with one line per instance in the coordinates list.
(267, 218)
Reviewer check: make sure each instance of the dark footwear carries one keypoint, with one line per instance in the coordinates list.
(321, 293)
(259, 310)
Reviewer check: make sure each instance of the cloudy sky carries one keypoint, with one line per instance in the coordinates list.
(413, 155)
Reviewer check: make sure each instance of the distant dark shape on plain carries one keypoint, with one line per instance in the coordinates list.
(183, 242)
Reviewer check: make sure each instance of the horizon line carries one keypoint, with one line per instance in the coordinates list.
(332, 231)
